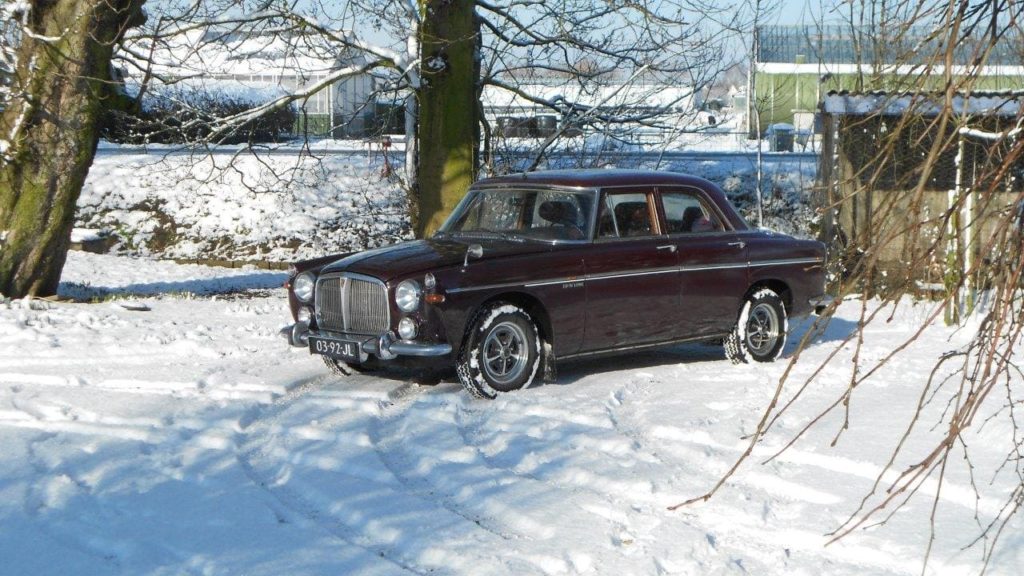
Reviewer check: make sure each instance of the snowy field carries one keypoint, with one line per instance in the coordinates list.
(188, 439)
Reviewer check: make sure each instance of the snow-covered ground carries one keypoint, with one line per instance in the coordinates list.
(241, 206)
(188, 439)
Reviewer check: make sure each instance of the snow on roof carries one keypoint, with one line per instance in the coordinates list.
(996, 103)
(608, 95)
(895, 69)
(198, 92)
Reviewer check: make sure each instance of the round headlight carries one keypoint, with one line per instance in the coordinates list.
(305, 315)
(407, 295)
(407, 328)
(303, 287)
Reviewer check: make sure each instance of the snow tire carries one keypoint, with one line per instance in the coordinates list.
(760, 330)
(501, 351)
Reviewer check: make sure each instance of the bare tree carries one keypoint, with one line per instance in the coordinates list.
(923, 202)
(442, 57)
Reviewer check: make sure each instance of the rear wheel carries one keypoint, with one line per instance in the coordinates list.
(760, 332)
(500, 353)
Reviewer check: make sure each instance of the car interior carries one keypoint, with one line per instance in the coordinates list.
(564, 216)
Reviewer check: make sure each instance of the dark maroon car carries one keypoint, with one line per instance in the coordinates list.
(562, 264)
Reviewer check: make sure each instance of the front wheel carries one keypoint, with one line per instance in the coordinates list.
(760, 332)
(500, 353)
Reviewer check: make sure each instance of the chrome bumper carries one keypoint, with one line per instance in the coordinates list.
(820, 303)
(386, 347)
(296, 334)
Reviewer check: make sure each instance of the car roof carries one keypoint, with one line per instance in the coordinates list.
(598, 178)
(609, 178)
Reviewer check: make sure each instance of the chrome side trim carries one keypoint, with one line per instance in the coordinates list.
(700, 267)
(555, 282)
(788, 261)
(485, 287)
(648, 272)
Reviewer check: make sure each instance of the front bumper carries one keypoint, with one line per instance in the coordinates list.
(385, 346)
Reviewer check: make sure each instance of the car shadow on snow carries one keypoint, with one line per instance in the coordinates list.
(196, 286)
(572, 370)
(824, 330)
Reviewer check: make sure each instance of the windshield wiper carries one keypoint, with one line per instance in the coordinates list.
(487, 233)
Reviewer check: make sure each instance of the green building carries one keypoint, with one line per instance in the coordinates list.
(794, 66)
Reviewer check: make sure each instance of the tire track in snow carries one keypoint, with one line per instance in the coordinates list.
(429, 443)
(299, 505)
(387, 445)
(53, 486)
(631, 525)
(180, 389)
(435, 530)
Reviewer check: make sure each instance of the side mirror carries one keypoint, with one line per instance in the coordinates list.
(474, 250)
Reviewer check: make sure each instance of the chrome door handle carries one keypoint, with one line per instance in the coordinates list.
(670, 248)
(741, 245)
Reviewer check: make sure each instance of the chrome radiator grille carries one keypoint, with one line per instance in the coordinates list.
(349, 304)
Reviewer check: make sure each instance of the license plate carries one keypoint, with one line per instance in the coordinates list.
(346, 350)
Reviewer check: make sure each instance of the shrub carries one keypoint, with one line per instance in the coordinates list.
(186, 112)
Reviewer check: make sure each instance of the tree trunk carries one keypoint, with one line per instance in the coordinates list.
(448, 121)
(48, 134)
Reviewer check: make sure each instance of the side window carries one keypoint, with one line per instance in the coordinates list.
(624, 215)
(560, 215)
(686, 214)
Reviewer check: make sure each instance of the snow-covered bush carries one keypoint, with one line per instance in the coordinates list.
(187, 110)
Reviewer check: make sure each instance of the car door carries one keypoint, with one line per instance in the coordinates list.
(632, 275)
(713, 267)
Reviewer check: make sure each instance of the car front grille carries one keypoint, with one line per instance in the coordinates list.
(352, 304)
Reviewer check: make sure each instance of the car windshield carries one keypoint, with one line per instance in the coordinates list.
(526, 214)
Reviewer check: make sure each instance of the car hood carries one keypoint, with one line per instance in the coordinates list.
(408, 258)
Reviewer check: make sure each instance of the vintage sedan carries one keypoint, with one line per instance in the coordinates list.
(541, 266)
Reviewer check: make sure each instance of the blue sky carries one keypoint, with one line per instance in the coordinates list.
(797, 12)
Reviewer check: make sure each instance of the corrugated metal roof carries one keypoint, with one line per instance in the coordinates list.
(977, 103)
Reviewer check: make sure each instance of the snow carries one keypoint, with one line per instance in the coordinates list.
(202, 93)
(239, 206)
(79, 235)
(189, 439)
(975, 104)
(820, 68)
(668, 96)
